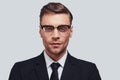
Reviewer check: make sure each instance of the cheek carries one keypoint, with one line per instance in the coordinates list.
(45, 39)
(45, 42)
(43, 36)
(66, 39)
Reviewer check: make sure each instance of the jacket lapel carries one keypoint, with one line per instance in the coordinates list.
(40, 68)
(69, 69)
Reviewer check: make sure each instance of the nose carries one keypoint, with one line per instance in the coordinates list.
(55, 34)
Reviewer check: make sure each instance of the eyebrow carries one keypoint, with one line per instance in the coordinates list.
(57, 26)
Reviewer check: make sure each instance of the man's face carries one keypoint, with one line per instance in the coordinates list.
(55, 41)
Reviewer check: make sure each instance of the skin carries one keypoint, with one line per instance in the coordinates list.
(56, 43)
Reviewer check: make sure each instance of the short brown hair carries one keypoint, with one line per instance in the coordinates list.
(55, 8)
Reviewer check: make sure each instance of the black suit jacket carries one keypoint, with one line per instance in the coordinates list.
(35, 69)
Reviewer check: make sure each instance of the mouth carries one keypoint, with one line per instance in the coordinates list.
(55, 45)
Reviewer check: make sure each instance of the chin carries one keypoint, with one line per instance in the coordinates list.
(58, 52)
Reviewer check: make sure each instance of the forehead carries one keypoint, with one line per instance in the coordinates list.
(55, 19)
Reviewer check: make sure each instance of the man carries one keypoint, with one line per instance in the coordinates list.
(55, 62)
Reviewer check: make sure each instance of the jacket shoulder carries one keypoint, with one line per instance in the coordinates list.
(80, 61)
(86, 69)
(29, 63)
(83, 64)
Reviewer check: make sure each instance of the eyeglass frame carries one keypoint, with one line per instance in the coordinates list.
(53, 28)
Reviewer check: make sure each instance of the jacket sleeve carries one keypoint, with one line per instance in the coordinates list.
(15, 73)
(94, 73)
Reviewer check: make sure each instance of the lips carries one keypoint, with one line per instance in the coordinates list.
(55, 44)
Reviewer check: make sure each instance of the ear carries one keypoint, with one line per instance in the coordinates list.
(71, 31)
(40, 32)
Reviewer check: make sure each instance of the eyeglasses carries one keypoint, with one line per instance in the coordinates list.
(60, 28)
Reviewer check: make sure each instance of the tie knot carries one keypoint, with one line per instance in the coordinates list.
(55, 66)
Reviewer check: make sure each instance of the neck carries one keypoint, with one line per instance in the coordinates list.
(55, 56)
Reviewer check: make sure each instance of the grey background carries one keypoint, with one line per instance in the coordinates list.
(96, 35)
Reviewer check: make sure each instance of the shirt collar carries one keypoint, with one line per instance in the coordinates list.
(49, 61)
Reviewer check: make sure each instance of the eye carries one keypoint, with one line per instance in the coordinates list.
(63, 28)
(47, 28)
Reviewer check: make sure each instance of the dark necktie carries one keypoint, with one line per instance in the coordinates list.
(54, 75)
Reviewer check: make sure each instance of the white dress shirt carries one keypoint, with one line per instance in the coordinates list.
(49, 61)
